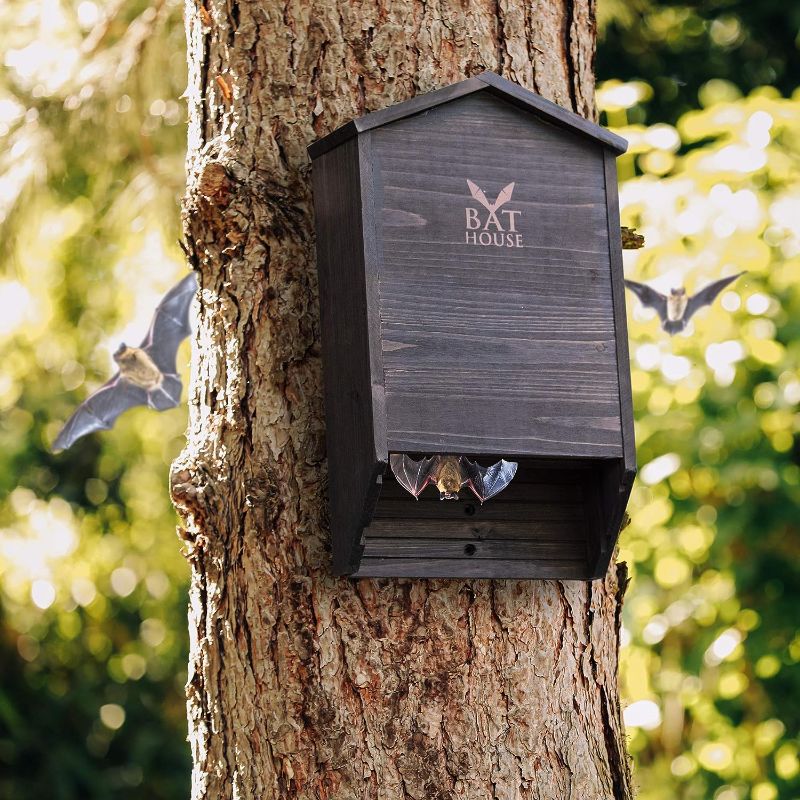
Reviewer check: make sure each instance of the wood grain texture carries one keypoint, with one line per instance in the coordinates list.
(356, 456)
(504, 350)
(620, 323)
(569, 513)
(618, 477)
(612, 493)
(482, 350)
(470, 568)
(428, 547)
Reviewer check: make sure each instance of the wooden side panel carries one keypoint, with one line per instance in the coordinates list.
(352, 373)
(504, 348)
(620, 318)
(613, 488)
(616, 480)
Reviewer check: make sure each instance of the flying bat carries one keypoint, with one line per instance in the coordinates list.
(677, 308)
(450, 473)
(147, 374)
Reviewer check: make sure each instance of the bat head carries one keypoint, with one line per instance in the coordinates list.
(123, 354)
(678, 292)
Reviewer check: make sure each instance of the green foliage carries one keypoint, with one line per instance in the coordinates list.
(92, 584)
(711, 628)
(680, 48)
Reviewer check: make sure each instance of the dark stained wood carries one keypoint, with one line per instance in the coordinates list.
(608, 509)
(618, 477)
(500, 527)
(434, 343)
(372, 255)
(495, 349)
(356, 461)
(471, 568)
(620, 320)
(506, 549)
(500, 509)
(552, 112)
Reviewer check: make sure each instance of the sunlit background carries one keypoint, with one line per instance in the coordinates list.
(92, 583)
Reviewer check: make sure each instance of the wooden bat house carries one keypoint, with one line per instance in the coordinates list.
(472, 303)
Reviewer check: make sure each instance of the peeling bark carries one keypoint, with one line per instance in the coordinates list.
(302, 685)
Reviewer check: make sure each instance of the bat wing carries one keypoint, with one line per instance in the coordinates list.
(708, 294)
(489, 481)
(412, 475)
(170, 325)
(478, 194)
(649, 297)
(100, 411)
(504, 196)
(167, 394)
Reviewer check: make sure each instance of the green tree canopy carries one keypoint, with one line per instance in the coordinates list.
(677, 47)
(92, 584)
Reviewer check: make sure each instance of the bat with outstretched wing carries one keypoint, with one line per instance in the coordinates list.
(450, 474)
(486, 482)
(677, 308)
(147, 374)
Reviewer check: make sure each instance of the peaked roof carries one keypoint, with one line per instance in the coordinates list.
(485, 82)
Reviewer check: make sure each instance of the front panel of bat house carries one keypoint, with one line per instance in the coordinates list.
(471, 294)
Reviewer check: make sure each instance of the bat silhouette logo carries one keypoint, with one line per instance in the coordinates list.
(502, 198)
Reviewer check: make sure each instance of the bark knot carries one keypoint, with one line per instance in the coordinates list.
(190, 496)
(215, 184)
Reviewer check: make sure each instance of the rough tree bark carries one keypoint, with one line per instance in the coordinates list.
(302, 685)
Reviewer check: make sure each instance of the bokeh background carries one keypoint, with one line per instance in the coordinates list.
(92, 582)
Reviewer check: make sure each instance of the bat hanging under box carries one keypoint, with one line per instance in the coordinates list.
(477, 384)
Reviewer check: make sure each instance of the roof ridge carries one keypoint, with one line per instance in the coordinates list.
(488, 80)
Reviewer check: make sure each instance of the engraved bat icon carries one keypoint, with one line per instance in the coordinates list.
(147, 374)
(492, 208)
(677, 308)
(450, 473)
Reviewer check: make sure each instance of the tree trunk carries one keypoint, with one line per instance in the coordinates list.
(302, 685)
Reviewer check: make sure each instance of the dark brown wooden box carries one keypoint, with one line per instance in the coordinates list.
(438, 341)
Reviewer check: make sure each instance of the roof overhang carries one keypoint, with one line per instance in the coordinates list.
(485, 82)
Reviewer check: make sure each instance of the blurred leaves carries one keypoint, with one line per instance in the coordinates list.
(682, 49)
(92, 584)
(711, 631)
